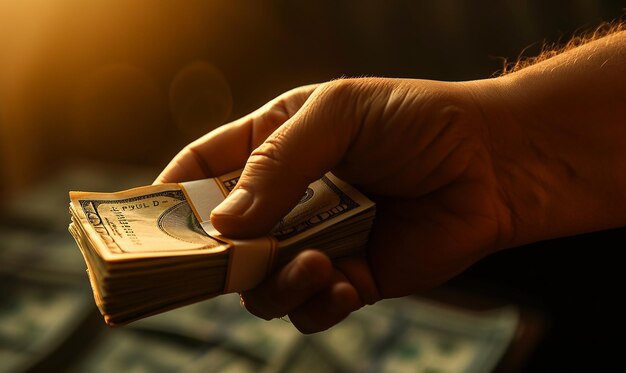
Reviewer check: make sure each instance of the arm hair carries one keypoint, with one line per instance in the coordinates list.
(550, 50)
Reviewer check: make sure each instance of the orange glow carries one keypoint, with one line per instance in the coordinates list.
(98, 80)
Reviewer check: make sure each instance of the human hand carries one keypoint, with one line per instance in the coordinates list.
(458, 170)
(417, 148)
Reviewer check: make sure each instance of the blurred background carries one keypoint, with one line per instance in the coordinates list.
(100, 95)
(133, 82)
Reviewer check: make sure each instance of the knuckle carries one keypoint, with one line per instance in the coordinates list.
(269, 152)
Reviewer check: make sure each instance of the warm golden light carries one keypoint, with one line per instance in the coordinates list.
(109, 80)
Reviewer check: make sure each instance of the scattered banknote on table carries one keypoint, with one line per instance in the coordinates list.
(397, 335)
(153, 248)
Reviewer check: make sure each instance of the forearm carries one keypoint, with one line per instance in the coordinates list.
(558, 130)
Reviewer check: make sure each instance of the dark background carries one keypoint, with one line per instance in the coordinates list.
(133, 82)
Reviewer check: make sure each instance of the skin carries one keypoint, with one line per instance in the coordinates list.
(458, 170)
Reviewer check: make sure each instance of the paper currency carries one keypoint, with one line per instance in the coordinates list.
(152, 248)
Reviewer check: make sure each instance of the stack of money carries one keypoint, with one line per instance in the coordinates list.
(153, 248)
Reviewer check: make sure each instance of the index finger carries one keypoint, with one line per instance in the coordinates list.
(218, 152)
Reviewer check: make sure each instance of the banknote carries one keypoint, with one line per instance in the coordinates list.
(148, 248)
(411, 334)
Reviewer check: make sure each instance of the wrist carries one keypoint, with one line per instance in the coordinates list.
(558, 138)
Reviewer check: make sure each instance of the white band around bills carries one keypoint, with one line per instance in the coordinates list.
(249, 260)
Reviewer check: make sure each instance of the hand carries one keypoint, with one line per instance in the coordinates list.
(457, 170)
(417, 148)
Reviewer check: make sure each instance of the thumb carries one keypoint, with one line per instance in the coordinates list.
(278, 172)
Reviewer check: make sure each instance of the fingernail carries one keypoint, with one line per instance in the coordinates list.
(236, 204)
(298, 278)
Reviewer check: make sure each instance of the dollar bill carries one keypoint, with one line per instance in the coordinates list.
(152, 248)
